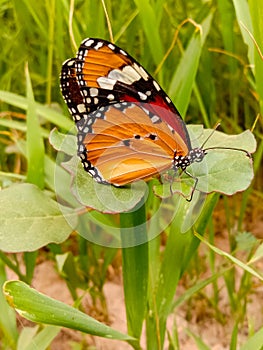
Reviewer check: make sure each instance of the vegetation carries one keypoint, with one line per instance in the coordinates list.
(207, 55)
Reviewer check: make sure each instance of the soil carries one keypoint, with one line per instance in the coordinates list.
(197, 315)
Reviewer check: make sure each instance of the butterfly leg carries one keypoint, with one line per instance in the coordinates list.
(194, 187)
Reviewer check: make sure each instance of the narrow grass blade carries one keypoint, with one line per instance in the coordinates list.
(180, 247)
(37, 307)
(35, 145)
(30, 340)
(231, 258)
(195, 289)
(9, 332)
(46, 112)
(149, 20)
(135, 267)
(161, 299)
(244, 19)
(182, 81)
(199, 342)
(256, 11)
(234, 336)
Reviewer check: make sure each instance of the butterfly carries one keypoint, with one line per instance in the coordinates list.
(128, 128)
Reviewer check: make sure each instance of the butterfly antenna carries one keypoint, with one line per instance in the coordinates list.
(212, 133)
(222, 147)
(231, 149)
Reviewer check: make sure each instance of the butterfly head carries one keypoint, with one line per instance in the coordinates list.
(194, 155)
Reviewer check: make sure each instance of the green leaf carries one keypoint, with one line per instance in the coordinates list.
(63, 142)
(245, 241)
(30, 219)
(104, 198)
(225, 171)
(37, 307)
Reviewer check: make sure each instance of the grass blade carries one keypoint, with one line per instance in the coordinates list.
(35, 145)
(231, 258)
(135, 267)
(149, 20)
(182, 81)
(244, 18)
(256, 11)
(8, 327)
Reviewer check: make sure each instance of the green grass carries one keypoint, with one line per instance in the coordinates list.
(208, 56)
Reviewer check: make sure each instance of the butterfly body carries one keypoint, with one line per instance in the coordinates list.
(128, 128)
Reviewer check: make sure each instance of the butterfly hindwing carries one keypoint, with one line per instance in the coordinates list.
(125, 144)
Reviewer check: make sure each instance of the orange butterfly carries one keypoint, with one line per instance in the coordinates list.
(128, 128)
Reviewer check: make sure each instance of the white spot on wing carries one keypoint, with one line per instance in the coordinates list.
(81, 108)
(141, 71)
(99, 45)
(142, 96)
(88, 43)
(110, 97)
(131, 72)
(123, 52)
(93, 92)
(155, 119)
(157, 87)
(127, 75)
(111, 46)
(69, 63)
(106, 83)
(170, 127)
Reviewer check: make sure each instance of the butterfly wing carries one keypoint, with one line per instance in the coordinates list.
(124, 144)
(128, 128)
(107, 74)
(71, 91)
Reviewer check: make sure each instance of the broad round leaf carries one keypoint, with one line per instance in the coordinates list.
(104, 198)
(30, 219)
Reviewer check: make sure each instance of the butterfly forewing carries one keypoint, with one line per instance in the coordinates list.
(128, 128)
(71, 91)
(108, 74)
